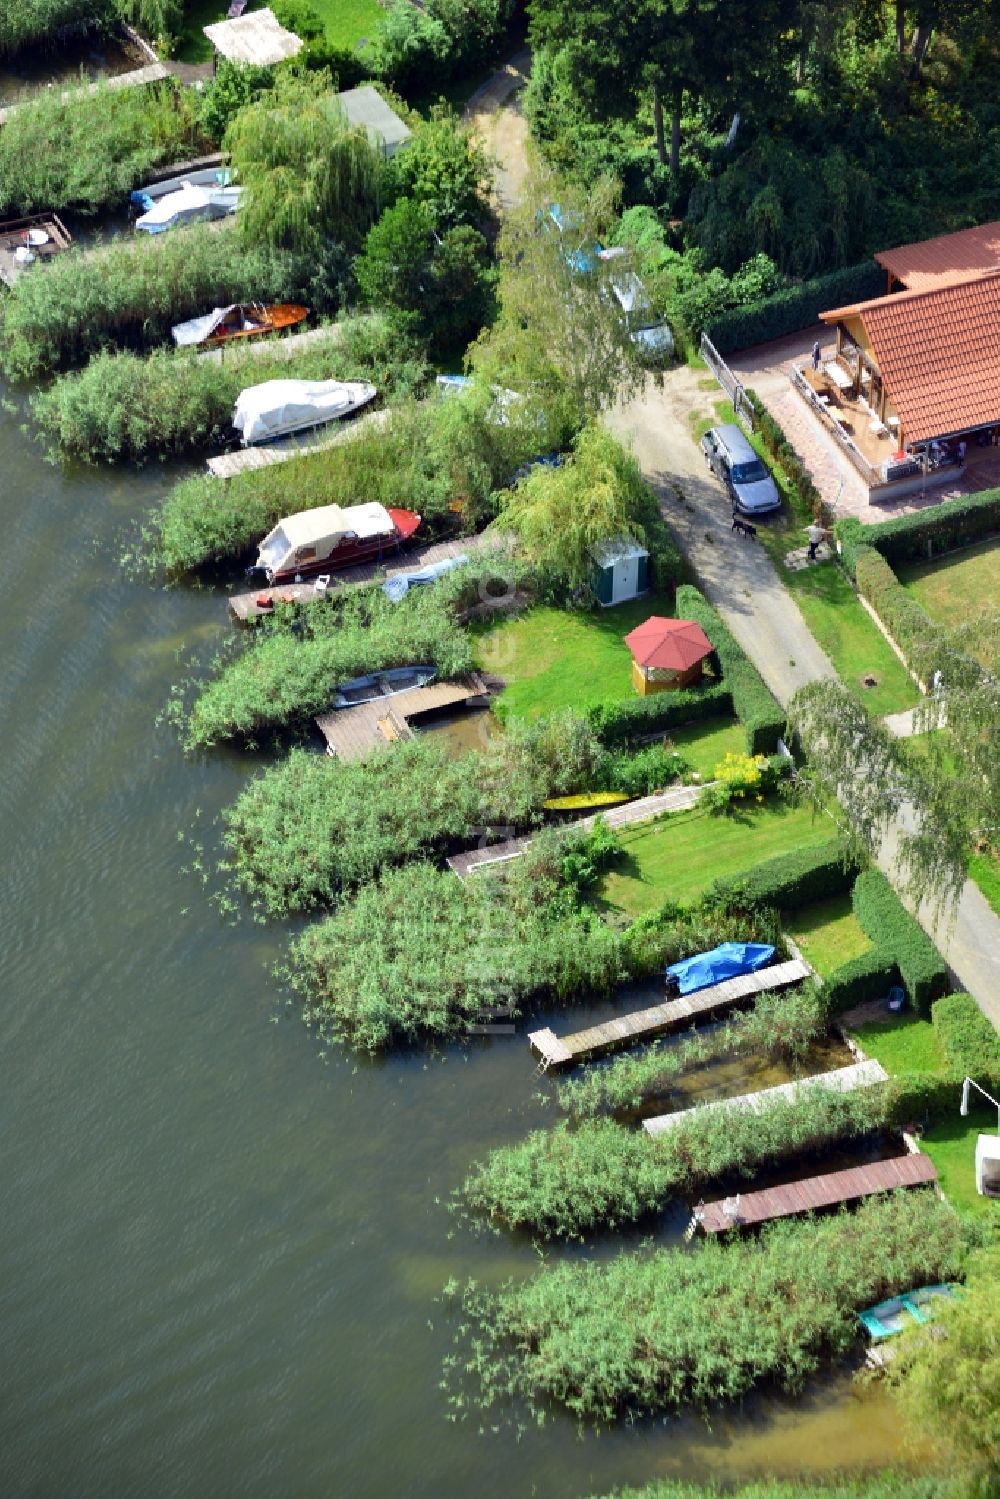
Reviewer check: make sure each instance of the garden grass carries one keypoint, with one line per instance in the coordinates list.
(908, 1044)
(955, 589)
(984, 869)
(951, 1145)
(705, 745)
(557, 658)
(828, 933)
(347, 23)
(678, 857)
(193, 45)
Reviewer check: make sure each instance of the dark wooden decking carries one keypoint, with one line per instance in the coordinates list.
(812, 1192)
(12, 237)
(843, 1079)
(352, 732)
(641, 1025)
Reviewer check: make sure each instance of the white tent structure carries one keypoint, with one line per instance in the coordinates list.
(278, 407)
(258, 39)
(188, 205)
(988, 1166)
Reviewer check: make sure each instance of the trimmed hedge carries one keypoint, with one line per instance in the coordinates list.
(910, 626)
(780, 450)
(794, 308)
(883, 918)
(868, 976)
(792, 880)
(754, 704)
(918, 537)
(618, 724)
(970, 1044)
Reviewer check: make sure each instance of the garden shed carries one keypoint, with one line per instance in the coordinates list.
(365, 106)
(667, 653)
(621, 571)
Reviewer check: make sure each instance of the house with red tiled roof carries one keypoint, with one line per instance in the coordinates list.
(925, 361)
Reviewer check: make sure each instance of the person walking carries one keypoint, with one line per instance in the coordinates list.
(816, 356)
(815, 534)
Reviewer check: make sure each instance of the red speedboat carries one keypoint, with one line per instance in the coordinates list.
(331, 538)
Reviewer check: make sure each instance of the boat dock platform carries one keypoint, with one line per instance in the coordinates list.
(677, 799)
(641, 1025)
(352, 732)
(842, 1079)
(266, 455)
(244, 606)
(748, 1209)
(13, 236)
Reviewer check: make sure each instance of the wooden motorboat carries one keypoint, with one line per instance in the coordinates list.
(330, 538)
(241, 320)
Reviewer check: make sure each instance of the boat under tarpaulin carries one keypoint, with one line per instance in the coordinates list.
(190, 204)
(239, 320)
(398, 587)
(727, 961)
(277, 407)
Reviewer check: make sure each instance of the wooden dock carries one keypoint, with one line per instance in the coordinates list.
(641, 1025)
(842, 1079)
(748, 1209)
(677, 799)
(245, 460)
(153, 72)
(282, 347)
(244, 606)
(352, 732)
(13, 236)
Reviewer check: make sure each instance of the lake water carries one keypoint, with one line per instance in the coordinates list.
(85, 60)
(220, 1252)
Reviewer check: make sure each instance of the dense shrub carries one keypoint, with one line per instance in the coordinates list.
(130, 293)
(566, 1182)
(888, 1485)
(804, 496)
(418, 49)
(916, 634)
(25, 23)
(650, 1331)
(640, 774)
(422, 955)
(624, 722)
(88, 152)
(870, 975)
(795, 307)
(924, 533)
(761, 714)
(126, 407)
(791, 880)
(970, 1044)
(304, 830)
(888, 924)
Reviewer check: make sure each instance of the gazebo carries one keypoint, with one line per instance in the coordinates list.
(667, 653)
(258, 38)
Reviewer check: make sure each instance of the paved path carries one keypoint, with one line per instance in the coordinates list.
(499, 122)
(739, 579)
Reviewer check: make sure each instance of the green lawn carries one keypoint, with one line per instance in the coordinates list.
(346, 22)
(705, 745)
(908, 1044)
(985, 870)
(955, 590)
(678, 857)
(951, 1146)
(828, 933)
(558, 658)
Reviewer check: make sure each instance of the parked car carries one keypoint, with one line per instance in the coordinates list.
(647, 330)
(731, 458)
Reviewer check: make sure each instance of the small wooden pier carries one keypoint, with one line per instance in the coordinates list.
(352, 732)
(749, 1209)
(245, 460)
(14, 236)
(842, 1079)
(244, 606)
(641, 1025)
(677, 799)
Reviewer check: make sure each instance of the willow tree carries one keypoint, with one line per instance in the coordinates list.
(307, 174)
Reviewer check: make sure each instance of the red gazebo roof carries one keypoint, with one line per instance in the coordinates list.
(670, 644)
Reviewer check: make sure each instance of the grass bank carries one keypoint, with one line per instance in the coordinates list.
(957, 589)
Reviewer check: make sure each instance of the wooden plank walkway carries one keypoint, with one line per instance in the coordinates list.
(677, 799)
(244, 606)
(807, 1195)
(153, 72)
(640, 1025)
(843, 1079)
(227, 465)
(351, 732)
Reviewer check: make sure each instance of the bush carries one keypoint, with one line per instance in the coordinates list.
(422, 955)
(661, 937)
(443, 167)
(129, 293)
(737, 778)
(924, 533)
(791, 880)
(88, 152)
(617, 724)
(29, 22)
(124, 407)
(888, 924)
(969, 1042)
(868, 976)
(916, 634)
(795, 307)
(805, 497)
(754, 704)
(650, 1331)
(640, 774)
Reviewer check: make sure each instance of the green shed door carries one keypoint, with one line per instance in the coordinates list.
(603, 584)
(642, 582)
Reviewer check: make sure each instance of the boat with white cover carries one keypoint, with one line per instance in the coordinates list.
(277, 407)
(329, 538)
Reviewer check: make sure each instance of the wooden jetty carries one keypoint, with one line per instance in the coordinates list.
(153, 72)
(813, 1192)
(677, 799)
(558, 1051)
(352, 732)
(842, 1079)
(244, 606)
(14, 236)
(244, 460)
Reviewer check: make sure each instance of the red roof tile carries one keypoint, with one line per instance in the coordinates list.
(670, 644)
(946, 259)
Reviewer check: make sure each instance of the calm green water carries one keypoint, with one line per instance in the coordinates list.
(219, 1253)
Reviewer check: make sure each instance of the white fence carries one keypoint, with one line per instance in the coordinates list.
(744, 407)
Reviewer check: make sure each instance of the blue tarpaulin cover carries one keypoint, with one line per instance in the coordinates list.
(723, 962)
(398, 587)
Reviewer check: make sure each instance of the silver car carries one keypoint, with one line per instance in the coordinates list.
(731, 458)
